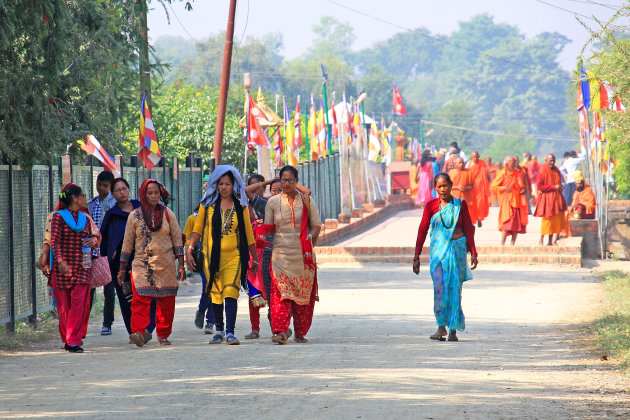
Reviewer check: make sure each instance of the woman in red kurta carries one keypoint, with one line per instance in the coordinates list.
(71, 229)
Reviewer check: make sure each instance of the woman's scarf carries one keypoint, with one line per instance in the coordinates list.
(78, 225)
(153, 223)
(212, 193)
(307, 246)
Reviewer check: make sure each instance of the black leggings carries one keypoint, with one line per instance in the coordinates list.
(231, 306)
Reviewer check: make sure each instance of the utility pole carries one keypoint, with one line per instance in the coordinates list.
(145, 64)
(225, 84)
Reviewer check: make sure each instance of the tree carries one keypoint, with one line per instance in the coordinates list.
(459, 113)
(611, 63)
(514, 144)
(68, 72)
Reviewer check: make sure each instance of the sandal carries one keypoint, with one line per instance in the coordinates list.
(280, 338)
(439, 335)
(147, 337)
(137, 339)
(300, 339)
(217, 339)
(252, 335)
(452, 336)
(232, 340)
(164, 341)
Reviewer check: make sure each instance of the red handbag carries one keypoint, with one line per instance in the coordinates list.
(100, 275)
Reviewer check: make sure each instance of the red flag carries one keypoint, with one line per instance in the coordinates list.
(277, 147)
(335, 129)
(399, 108)
(255, 133)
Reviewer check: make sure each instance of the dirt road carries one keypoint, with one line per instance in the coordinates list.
(369, 357)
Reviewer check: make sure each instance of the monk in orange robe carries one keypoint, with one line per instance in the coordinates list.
(481, 187)
(510, 189)
(463, 186)
(551, 205)
(492, 172)
(584, 203)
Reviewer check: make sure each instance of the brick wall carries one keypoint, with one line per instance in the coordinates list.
(589, 231)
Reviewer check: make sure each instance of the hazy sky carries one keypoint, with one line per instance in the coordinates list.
(295, 18)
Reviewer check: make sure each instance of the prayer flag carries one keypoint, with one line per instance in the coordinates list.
(93, 147)
(255, 133)
(374, 144)
(148, 150)
(297, 132)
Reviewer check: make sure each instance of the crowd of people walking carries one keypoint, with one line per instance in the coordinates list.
(237, 240)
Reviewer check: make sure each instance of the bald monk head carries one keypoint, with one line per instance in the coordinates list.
(474, 156)
(488, 160)
(459, 163)
(527, 156)
(550, 160)
(508, 162)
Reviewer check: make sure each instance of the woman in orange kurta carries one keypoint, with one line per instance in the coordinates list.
(413, 182)
(509, 187)
(463, 186)
(551, 205)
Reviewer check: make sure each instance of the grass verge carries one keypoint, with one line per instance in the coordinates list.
(47, 328)
(612, 330)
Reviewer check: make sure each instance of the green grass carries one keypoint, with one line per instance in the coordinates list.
(47, 328)
(612, 330)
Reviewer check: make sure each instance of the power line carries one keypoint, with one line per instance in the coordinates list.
(566, 10)
(498, 133)
(436, 39)
(608, 6)
(182, 25)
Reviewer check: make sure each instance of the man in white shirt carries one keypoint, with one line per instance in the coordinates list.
(459, 152)
(569, 166)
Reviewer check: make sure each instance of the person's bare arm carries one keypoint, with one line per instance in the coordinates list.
(303, 189)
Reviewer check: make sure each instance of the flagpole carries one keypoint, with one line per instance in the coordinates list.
(246, 132)
(306, 144)
(328, 130)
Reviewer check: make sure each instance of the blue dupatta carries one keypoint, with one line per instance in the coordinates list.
(448, 266)
(76, 226)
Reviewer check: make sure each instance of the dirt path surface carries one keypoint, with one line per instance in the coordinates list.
(369, 357)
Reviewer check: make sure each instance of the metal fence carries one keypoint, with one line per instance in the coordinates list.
(322, 178)
(28, 197)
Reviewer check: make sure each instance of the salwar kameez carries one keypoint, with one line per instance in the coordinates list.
(293, 284)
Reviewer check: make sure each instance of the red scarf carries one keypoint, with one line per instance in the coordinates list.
(154, 223)
(307, 246)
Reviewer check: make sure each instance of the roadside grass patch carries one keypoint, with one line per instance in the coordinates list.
(47, 328)
(612, 330)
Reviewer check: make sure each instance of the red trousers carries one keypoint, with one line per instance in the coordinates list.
(282, 310)
(141, 313)
(71, 307)
(254, 316)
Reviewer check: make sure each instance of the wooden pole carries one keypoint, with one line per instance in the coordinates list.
(225, 84)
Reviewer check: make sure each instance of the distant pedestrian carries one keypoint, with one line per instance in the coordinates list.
(452, 237)
(153, 233)
(71, 230)
(424, 179)
(551, 205)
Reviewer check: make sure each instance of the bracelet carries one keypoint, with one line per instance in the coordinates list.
(255, 262)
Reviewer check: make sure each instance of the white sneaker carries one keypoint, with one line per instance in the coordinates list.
(209, 329)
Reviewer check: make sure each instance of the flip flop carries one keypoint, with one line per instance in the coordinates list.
(438, 337)
(280, 338)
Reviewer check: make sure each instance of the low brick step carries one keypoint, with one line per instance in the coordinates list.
(558, 255)
(549, 259)
(483, 250)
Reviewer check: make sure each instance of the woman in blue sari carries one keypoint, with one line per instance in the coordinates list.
(452, 237)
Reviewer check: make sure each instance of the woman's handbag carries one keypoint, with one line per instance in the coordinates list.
(100, 275)
(197, 251)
